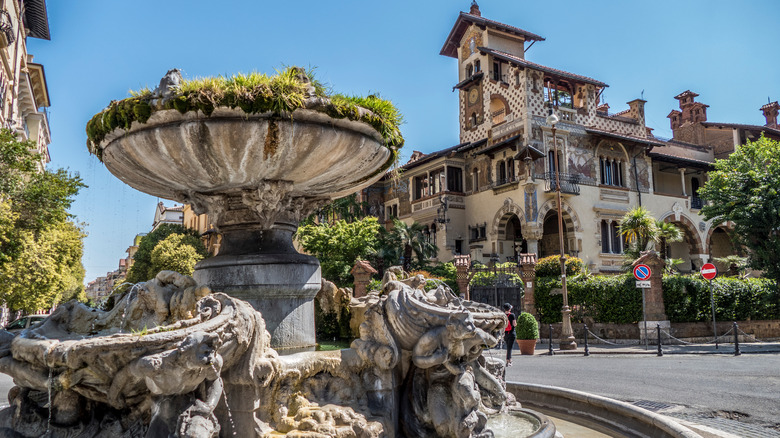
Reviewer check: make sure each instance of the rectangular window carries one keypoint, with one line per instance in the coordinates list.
(616, 247)
(455, 179)
(604, 237)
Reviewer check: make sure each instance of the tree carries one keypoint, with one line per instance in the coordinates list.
(743, 190)
(143, 269)
(174, 254)
(411, 239)
(46, 269)
(667, 233)
(639, 227)
(339, 245)
(40, 245)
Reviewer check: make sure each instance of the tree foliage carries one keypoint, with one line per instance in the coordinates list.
(40, 245)
(339, 244)
(174, 253)
(409, 242)
(144, 268)
(743, 189)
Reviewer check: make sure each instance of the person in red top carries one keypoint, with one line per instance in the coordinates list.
(509, 333)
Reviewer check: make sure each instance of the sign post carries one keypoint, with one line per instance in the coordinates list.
(709, 271)
(642, 275)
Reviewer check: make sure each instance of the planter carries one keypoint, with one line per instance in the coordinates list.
(527, 346)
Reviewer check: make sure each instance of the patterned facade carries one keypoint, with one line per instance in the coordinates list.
(497, 187)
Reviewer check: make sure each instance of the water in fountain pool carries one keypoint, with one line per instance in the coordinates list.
(512, 425)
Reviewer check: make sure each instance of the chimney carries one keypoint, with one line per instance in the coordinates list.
(675, 119)
(475, 9)
(770, 111)
(637, 110)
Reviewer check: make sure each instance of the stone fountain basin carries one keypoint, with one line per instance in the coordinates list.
(173, 154)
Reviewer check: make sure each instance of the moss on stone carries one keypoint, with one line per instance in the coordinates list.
(253, 93)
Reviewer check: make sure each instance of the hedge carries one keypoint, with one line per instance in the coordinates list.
(687, 299)
(616, 299)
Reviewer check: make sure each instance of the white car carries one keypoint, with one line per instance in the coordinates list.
(25, 322)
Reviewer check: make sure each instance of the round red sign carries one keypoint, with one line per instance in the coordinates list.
(709, 271)
(642, 272)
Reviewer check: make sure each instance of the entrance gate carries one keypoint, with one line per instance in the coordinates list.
(495, 285)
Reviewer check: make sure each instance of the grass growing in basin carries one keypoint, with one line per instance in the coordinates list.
(252, 93)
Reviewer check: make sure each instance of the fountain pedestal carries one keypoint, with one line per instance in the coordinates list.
(263, 268)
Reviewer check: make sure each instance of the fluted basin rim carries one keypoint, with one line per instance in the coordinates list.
(173, 154)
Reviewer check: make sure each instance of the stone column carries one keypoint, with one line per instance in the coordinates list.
(528, 274)
(362, 271)
(682, 180)
(655, 312)
(462, 265)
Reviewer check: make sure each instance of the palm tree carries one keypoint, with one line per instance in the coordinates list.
(639, 227)
(667, 233)
(413, 242)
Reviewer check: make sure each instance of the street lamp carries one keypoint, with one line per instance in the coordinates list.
(567, 341)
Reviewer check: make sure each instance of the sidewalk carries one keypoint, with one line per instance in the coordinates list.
(652, 349)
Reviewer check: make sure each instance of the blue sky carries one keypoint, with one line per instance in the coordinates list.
(724, 50)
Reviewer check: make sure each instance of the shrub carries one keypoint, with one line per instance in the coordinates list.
(527, 326)
(616, 299)
(551, 266)
(687, 298)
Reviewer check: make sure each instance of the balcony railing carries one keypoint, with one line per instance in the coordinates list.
(504, 181)
(696, 202)
(570, 184)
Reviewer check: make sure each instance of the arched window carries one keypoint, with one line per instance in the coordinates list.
(477, 66)
(473, 120)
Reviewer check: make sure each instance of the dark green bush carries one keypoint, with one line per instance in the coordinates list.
(687, 298)
(551, 266)
(527, 326)
(611, 299)
(616, 299)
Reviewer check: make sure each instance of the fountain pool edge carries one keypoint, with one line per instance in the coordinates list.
(600, 413)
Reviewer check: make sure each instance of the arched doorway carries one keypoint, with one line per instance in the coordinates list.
(684, 249)
(512, 241)
(720, 246)
(550, 243)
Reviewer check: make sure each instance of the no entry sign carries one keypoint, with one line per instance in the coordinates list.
(642, 272)
(709, 271)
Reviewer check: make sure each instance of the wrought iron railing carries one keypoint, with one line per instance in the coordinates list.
(697, 202)
(504, 181)
(569, 183)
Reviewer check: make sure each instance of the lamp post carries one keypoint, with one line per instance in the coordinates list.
(567, 341)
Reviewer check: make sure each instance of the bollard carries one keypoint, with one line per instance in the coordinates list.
(658, 328)
(587, 352)
(736, 340)
(549, 328)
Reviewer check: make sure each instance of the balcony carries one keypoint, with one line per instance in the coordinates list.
(570, 184)
(696, 203)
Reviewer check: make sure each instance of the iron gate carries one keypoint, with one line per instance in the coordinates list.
(495, 285)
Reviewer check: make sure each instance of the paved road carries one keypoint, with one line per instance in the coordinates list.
(745, 387)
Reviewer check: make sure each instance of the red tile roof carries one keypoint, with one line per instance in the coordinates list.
(465, 19)
(553, 71)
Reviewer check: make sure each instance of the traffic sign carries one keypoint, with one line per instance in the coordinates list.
(642, 272)
(709, 271)
(643, 284)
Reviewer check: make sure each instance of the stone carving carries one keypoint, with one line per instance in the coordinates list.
(173, 359)
(138, 368)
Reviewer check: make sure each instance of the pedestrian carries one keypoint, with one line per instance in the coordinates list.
(509, 333)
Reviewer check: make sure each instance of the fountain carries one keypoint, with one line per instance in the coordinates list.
(197, 357)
